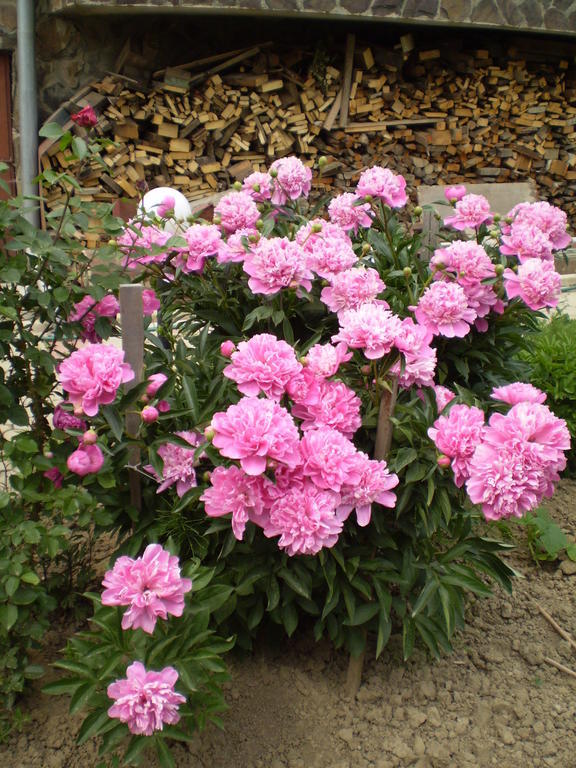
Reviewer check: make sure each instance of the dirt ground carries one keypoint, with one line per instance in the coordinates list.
(494, 702)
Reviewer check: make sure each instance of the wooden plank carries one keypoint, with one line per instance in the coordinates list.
(347, 79)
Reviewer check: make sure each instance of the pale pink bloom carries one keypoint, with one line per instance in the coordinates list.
(419, 358)
(236, 246)
(482, 298)
(92, 376)
(306, 519)
(292, 179)
(349, 212)
(526, 241)
(256, 431)
(145, 700)
(150, 302)
(470, 212)
(236, 210)
(455, 193)
(325, 359)
(88, 310)
(62, 419)
(305, 387)
(443, 396)
(549, 219)
(374, 485)
(263, 364)
(166, 207)
(467, 261)
(55, 476)
(337, 406)
(149, 414)
(381, 183)
(351, 288)
(518, 392)
(151, 585)
(234, 492)
(537, 283)
(227, 348)
(327, 246)
(202, 242)
(443, 308)
(371, 328)
(277, 263)
(143, 244)
(259, 186)
(329, 459)
(155, 381)
(86, 460)
(457, 435)
(179, 464)
(535, 423)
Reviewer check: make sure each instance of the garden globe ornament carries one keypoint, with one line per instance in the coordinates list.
(168, 204)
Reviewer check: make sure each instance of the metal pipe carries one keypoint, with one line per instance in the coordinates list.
(27, 108)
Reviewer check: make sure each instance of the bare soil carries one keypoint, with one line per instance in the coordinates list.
(495, 701)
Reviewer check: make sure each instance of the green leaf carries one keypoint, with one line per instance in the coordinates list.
(403, 457)
(81, 697)
(59, 687)
(553, 540)
(135, 748)
(164, 755)
(571, 552)
(92, 725)
(79, 147)
(114, 421)
(8, 616)
(430, 589)
(289, 618)
(273, 592)
(384, 630)
(294, 582)
(11, 585)
(51, 131)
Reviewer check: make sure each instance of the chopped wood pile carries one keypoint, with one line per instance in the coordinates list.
(431, 114)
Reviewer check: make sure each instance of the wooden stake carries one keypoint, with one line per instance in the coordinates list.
(347, 79)
(381, 448)
(562, 632)
(133, 346)
(559, 666)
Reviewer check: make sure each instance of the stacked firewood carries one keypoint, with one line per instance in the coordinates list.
(431, 114)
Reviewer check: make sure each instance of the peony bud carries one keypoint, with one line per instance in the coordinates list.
(163, 406)
(237, 186)
(443, 461)
(209, 433)
(149, 414)
(156, 380)
(90, 437)
(418, 211)
(407, 272)
(316, 227)
(227, 348)
(322, 160)
(499, 269)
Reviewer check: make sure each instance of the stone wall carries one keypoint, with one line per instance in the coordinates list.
(556, 16)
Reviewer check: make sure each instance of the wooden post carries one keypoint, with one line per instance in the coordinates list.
(381, 448)
(133, 346)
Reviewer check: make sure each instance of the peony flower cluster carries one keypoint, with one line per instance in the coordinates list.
(443, 308)
(202, 242)
(178, 463)
(259, 186)
(371, 328)
(470, 212)
(327, 246)
(150, 585)
(351, 288)
(277, 263)
(457, 436)
(263, 364)
(236, 210)
(350, 212)
(92, 376)
(536, 230)
(144, 243)
(88, 310)
(145, 700)
(418, 364)
(537, 283)
(384, 185)
(292, 179)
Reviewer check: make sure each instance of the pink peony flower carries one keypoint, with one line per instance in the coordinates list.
(227, 348)
(327, 246)
(234, 492)
(236, 246)
(156, 380)
(455, 193)
(550, 220)
(337, 407)
(149, 414)
(92, 376)
(88, 310)
(151, 585)
(305, 387)
(443, 396)
(306, 519)
(143, 244)
(457, 435)
(150, 302)
(85, 460)
(256, 431)
(166, 207)
(145, 700)
(85, 118)
(526, 241)
(329, 459)
(351, 288)
(259, 186)
(325, 359)
(371, 328)
(202, 242)
(381, 183)
(537, 283)
(518, 392)
(470, 212)
(292, 179)
(55, 476)
(443, 309)
(237, 210)
(465, 260)
(374, 485)
(179, 464)
(263, 364)
(64, 420)
(277, 263)
(535, 423)
(349, 212)
(419, 363)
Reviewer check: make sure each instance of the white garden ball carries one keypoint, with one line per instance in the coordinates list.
(153, 199)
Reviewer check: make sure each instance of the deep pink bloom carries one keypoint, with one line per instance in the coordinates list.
(179, 464)
(55, 476)
(518, 392)
(143, 244)
(381, 183)
(256, 431)
(455, 193)
(349, 212)
(470, 212)
(85, 460)
(163, 406)
(202, 242)
(329, 459)
(351, 288)
(457, 435)
(371, 328)
(62, 419)
(292, 179)
(374, 485)
(305, 388)
(537, 283)
(467, 262)
(149, 414)
(85, 118)
(419, 363)
(236, 210)
(443, 308)
(327, 246)
(306, 519)
(337, 406)
(227, 348)
(325, 359)
(443, 396)
(259, 186)
(151, 585)
(237, 245)
(150, 302)
(156, 380)
(166, 207)
(263, 364)
(277, 263)
(145, 700)
(92, 376)
(88, 310)
(535, 423)
(234, 492)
